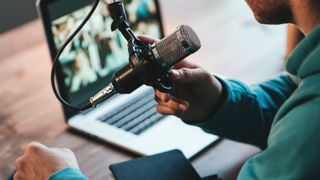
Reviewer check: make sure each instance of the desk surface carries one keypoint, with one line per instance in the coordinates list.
(29, 111)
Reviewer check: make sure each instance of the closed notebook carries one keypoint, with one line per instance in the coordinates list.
(170, 165)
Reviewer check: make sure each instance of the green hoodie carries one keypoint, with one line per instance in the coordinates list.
(281, 118)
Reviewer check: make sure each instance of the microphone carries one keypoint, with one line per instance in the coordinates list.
(177, 46)
(150, 65)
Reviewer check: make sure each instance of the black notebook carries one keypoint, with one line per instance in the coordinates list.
(171, 165)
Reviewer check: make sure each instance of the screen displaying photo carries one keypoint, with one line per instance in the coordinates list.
(96, 52)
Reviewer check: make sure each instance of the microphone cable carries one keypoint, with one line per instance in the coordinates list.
(56, 61)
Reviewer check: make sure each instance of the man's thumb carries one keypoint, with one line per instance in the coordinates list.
(186, 75)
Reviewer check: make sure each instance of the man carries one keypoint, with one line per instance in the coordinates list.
(281, 116)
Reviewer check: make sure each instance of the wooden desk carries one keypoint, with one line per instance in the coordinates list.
(29, 111)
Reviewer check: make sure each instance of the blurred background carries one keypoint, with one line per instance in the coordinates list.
(233, 45)
(225, 27)
(14, 13)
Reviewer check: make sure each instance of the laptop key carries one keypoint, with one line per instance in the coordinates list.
(149, 125)
(125, 112)
(105, 117)
(140, 128)
(134, 114)
(140, 99)
(139, 119)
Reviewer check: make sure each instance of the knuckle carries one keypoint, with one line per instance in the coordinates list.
(186, 72)
(33, 147)
(157, 94)
(66, 150)
(165, 110)
(20, 163)
(205, 74)
(160, 110)
(162, 97)
(173, 104)
(18, 176)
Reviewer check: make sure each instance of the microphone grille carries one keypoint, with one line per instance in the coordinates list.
(177, 46)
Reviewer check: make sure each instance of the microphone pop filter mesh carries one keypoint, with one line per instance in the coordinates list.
(177, 46)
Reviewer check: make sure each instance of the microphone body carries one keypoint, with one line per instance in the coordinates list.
(150, 65)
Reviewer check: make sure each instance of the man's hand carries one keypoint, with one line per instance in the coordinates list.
(39, 162)
(196, 94)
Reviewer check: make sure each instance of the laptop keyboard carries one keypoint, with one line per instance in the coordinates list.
(136, 116)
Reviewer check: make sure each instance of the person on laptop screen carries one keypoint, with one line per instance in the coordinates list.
(280, 116)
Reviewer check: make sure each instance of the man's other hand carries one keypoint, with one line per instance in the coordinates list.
(39, 162)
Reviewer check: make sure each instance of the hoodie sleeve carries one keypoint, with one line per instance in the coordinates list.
(247, 113)
(293, 147)
(68, 174)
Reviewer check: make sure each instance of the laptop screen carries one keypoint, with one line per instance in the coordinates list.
(88, 63)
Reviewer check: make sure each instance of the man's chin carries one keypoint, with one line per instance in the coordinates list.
(264, 21)
(270, 20)
(279, 15)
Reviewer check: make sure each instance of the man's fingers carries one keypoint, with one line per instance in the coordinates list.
(170, 105)
(164, 98)
(166, 110)
(147, 39)
(187, 75)
(185, 64)
(177, 105)
(171, 109)
(161, 97)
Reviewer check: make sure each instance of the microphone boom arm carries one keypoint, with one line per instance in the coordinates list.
(138, 58)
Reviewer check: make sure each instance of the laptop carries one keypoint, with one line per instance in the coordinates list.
(86, 66)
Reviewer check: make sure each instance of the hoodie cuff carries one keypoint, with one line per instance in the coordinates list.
(68, 174)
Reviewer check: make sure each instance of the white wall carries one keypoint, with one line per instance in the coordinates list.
(16, 12)
(232, 41)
